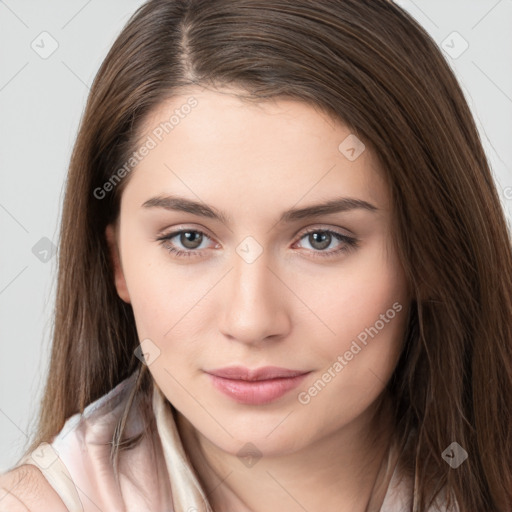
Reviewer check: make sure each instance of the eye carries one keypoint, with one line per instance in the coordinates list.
(321, 239)
(189, 239)
(190, 242)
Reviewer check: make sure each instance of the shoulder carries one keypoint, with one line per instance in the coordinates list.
(82, 442)
(25, 489)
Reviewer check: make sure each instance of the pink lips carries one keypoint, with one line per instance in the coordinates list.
(255, 387)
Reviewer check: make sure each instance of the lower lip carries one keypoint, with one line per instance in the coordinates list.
(256, 392)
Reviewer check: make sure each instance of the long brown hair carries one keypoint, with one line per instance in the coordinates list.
(368, 64)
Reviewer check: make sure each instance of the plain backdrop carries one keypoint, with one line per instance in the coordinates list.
(49, 53)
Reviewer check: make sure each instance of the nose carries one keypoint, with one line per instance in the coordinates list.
(255, 302)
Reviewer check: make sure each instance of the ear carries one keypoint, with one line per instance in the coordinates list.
(120, 282)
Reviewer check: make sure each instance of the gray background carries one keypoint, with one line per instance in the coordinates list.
(41, 101)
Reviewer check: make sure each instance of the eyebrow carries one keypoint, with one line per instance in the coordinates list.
(336, 205)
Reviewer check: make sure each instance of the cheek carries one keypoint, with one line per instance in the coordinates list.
(172, 309)
(368, 317)
(168, 310)
(161, 292)
(356, 300)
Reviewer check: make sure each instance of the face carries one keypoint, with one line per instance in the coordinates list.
(252, 276)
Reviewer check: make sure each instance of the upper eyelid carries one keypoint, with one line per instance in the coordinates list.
(171, 233)
(318, 227)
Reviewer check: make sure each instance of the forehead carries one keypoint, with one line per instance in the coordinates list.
(211, 143)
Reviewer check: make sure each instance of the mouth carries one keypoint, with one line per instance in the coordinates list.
(255, 387)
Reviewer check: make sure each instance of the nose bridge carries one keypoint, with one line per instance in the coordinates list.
(252, 278)
(254, 307)
(251, 273)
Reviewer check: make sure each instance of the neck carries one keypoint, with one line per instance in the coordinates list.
(347, 470)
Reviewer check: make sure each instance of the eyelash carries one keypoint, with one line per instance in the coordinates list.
(351, 243)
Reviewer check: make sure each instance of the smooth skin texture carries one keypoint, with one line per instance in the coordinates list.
(291, 307)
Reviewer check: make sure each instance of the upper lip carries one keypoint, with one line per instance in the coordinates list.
(263, 373)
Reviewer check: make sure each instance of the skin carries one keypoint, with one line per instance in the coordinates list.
(291, 307)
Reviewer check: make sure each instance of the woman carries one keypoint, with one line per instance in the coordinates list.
(285, 277)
